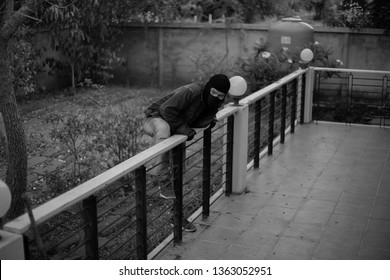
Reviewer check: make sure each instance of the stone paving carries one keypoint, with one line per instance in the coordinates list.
(324, 194)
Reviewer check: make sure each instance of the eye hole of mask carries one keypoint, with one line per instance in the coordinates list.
(217, 94)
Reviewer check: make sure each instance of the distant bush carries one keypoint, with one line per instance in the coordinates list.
(265, 66)
(24, 62)
(94, 142)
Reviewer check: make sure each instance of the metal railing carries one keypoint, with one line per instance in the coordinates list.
(119, 214)
(352, 96)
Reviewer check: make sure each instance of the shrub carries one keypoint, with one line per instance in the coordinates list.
(95, 141)
(264, 66)
(24, 62)
(117, 133)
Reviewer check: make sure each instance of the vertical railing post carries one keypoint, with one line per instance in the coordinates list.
(293, 116)
(316, 95)
(141, 213)
(302, 109)
(26, 247)
(240, 149)
(229, 156)
(383, 101)
(206, 172)
(349, 99)
(271, 118)
(257, 141)
(178, 162)
(91, 228)
(309, 84)
(284, 114)
(12, 246)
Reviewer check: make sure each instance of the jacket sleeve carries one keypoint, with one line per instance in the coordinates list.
(173, 108)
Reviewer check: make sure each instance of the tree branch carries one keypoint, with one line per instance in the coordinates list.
(16, 20)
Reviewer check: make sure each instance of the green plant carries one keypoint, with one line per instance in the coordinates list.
(24, 61)
(263, 66)
(72, 132)
(94, 141)
(117, 133)
(354, 16)
(80, 30)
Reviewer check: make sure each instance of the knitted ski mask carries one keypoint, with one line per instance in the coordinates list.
(221, 83)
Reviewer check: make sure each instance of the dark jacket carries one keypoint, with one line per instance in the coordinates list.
(183, 109)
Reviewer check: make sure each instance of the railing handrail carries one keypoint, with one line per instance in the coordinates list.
(345, 70)
(266, 90)
(54, 206)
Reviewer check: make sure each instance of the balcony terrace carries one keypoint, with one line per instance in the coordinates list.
(265, 183)
(324, 194)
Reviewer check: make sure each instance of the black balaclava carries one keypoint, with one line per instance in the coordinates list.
(221, 83)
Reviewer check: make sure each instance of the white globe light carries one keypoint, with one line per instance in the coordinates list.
(238, 86)
(307, 55)
(5, 199)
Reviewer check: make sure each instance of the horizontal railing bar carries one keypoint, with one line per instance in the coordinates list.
(351, 70)
(276, 85)
(56, 205)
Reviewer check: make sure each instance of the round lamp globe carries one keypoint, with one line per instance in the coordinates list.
(238, 86)
(5, 199)
(307, 55)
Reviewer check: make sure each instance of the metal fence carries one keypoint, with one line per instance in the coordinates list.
(352, 96)
(120, 215)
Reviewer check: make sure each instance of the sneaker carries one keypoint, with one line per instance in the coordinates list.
(187, 226)
(166, 189)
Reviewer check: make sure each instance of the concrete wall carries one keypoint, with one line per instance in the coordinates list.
(163, 54)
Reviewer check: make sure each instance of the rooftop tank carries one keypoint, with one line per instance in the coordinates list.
(291, 33)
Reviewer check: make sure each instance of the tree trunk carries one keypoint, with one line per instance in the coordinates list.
(17, 152)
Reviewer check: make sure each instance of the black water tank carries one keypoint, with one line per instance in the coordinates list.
(291, 33)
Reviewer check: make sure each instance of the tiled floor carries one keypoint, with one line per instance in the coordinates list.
(325, 194)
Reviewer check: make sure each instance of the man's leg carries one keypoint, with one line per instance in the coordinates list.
(159, 130)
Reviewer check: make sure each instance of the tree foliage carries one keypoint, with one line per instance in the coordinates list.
(380, 14)
(81, 31)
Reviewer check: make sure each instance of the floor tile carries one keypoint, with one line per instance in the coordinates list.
(233, 221)
(343, 236)
(286, 201)
(305, 231)
(353, 209)
(377, 240)
(260, 241)
(345, 222)
(243, 253)
(238, 207)
(374, 254)
(357, 198)
(312, 217)
(205, 250)
(289, 248)
(381, 212)
(319, 205)
(221, 235)
(376, 225)
(328, 250)
(321, 194)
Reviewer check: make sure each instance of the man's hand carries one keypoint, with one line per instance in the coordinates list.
(213, 123)
(191, 135)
